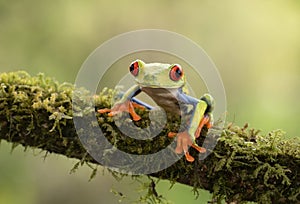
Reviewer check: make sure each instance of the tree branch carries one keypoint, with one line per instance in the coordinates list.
(244, 166)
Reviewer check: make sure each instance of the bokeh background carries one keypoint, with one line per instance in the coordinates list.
(255, 45)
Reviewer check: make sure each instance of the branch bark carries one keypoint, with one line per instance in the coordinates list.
(244, 165)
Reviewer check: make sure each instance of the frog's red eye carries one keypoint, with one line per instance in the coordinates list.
(134, 68)
(176, 73)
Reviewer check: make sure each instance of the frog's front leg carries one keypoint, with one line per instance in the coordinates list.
(125, 104)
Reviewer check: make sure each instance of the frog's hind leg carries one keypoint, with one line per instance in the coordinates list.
(206, 120)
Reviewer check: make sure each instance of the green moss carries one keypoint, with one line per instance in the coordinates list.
(244, 166)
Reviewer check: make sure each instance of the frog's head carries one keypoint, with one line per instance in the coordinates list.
(157, 75)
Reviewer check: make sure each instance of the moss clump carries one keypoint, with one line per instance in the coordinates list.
(245, 165)
(37, 112)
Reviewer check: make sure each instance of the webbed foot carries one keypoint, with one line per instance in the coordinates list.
(128, 106)
(184, 141)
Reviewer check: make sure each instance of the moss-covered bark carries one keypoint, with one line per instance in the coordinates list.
(244, 166)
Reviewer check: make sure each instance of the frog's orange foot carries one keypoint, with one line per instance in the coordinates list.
(204, 121)
(172, 134)
(119, 108)
(184, 141)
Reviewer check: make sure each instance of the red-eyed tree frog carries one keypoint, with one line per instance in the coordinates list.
(165, 84)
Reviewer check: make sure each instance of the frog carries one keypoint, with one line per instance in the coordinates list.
(166, 85)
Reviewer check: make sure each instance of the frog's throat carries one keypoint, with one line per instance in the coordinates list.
(164, 97)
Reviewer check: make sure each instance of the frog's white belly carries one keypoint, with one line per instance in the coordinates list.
(165, 98)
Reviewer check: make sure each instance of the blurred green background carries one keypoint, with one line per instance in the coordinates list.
(255, 44)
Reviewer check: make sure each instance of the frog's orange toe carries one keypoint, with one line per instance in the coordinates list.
(135, 117)
(111, 114)
(188, 157)
(104, 110)
(199, 149)
(178, 150)
(209, 125)
(172, 134)
(136, 105)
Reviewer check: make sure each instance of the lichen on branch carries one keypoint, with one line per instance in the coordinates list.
(245, 165)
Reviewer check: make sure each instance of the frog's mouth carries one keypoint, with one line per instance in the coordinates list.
(158, 86)
(160, 89)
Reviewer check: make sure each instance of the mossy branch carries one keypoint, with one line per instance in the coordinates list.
(244, 165)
